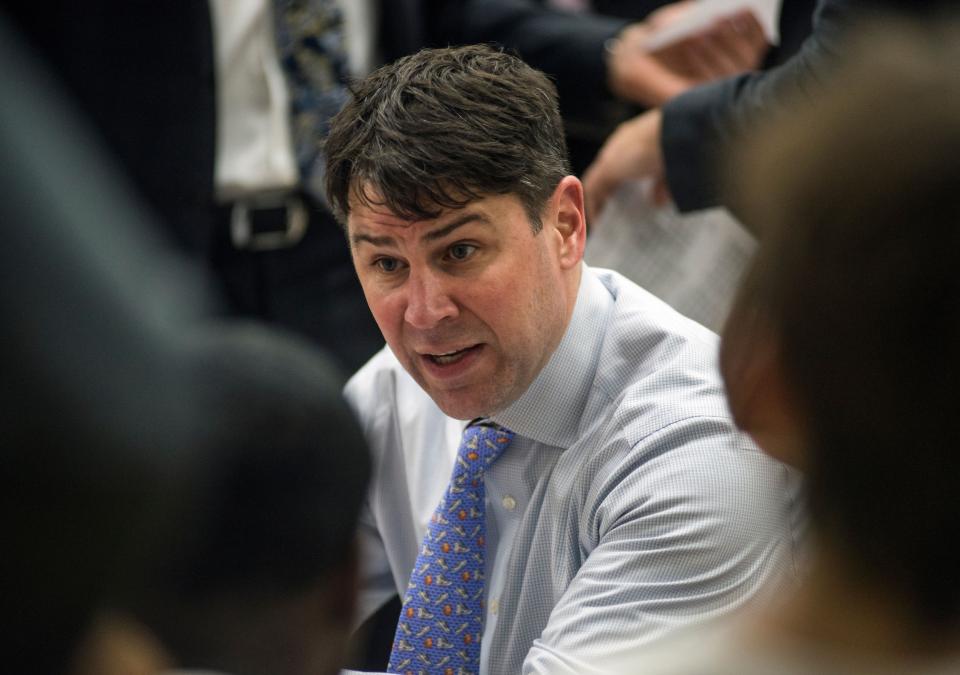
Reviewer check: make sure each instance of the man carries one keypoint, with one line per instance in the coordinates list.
(624, 503)
(194, 99)
(681, 145)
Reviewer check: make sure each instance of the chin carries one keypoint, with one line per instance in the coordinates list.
(458, 410)
(465, 407)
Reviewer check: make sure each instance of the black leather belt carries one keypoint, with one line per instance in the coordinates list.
(267, 221)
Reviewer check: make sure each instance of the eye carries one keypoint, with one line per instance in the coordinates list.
(387, 265)
(461, 251)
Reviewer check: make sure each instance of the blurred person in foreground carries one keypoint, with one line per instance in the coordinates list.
(259, 575)
(98, 415)
(842, 356)
(593, 491)
(149, 466)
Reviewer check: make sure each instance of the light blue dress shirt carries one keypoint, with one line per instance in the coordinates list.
(627, 505)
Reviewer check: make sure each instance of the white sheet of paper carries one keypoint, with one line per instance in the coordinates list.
(705, 12)
(693, 262)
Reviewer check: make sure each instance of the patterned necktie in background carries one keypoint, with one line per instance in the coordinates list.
(310, 43)
(443, 610)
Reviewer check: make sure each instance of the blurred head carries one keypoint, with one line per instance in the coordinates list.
(843, 349)
(259, 577)
(449, 169)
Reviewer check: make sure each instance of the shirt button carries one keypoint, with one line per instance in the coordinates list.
(509, 503)
(494, 606)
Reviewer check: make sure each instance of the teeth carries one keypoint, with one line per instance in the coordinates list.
(449, 357)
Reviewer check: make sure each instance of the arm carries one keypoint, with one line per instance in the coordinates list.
(700, 127)
(683, 142)
(593, 55)
(568, 46)
(377, 586)
(691, 532)
(679, 146)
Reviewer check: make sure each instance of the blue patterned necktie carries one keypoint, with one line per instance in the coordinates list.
(312, 51)
(443, 610)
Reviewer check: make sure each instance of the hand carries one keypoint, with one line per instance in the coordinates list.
(634, 74)
(631, 152)
(731, 45)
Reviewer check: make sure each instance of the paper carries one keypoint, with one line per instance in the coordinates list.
(692, 262)
(704, 12)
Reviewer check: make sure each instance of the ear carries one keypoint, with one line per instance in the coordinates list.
(567, 214)
(759, 394)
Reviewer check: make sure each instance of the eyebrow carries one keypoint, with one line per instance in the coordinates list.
(387, 240)
(370, 239)
(454, 224)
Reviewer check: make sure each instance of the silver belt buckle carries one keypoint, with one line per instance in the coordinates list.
(241, 230)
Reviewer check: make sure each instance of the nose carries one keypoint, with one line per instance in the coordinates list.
(428, 300)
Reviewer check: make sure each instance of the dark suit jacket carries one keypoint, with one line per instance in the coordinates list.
(566, 46)
(136, 64)
(700, 126)
(570, 48)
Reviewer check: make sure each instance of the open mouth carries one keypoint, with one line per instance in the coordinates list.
(451, 357)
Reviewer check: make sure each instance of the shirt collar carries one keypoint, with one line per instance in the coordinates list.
(549, 410)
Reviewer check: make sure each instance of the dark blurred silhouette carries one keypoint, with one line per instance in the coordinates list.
(135, 430)
(842, 352)
(259, 576)
(96, 409)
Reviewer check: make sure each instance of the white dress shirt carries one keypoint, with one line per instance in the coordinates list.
(254, 148)
(626, 506)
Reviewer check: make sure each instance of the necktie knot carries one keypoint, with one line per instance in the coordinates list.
(481, 445)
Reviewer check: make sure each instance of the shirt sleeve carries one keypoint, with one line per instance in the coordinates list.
(376, 580)
(364, 393)
(687, 529)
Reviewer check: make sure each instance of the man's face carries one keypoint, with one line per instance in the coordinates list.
(472, 303)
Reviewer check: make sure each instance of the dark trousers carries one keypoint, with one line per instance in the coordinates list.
(309, 288)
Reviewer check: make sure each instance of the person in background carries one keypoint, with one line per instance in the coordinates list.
(216, 120)
(600, 495)
(681, 145)
(841, 357)
(599, 61)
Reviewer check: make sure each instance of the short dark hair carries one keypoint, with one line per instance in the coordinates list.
(857, 201)
(442, 127)
(272, 511)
